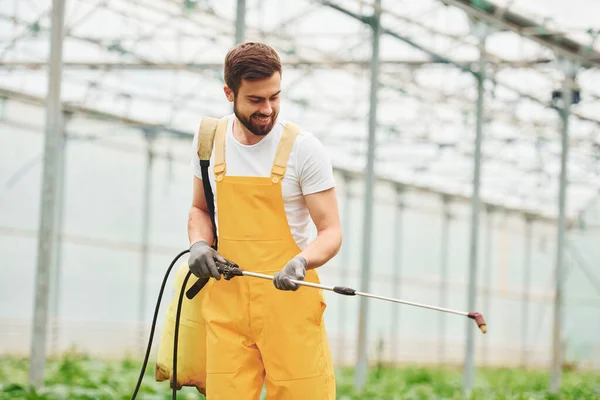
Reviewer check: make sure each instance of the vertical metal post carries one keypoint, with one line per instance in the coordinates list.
(555, 378)
(526, 289)
(363, 317)
(487, 277)
(147, 206)
(240, 22)
(345, 259)
(444, 253)
(475, 205)
(397, 265)
(57, 240)
(52, 153)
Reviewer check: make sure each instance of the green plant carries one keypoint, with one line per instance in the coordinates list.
(76, 376)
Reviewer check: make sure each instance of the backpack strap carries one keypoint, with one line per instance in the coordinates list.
(206, 136)
(220, 166)
(284, 149)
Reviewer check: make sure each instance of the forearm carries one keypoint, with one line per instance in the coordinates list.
(325, 246)
(199, 226)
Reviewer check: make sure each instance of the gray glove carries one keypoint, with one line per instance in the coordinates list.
(202, 260)
(294, 269)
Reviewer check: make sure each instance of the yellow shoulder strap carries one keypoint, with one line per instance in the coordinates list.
(206, 135)
(220, 148)
(283, 151)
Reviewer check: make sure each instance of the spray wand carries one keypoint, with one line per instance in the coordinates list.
(231, 269)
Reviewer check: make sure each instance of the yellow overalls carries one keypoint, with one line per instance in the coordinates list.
(256, 333)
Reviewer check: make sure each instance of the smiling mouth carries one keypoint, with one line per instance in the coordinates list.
(262, 119)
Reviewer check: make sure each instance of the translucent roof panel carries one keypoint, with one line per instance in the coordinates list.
(159, 62)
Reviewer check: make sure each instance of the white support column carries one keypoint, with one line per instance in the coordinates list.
(526, 291)
(444, 254)
(145, 233)
(569, 69)
(56, 267)
(481, 30)
(345, 261)
(397, 268)
(240, 22)
(52, 154)
(363, 317)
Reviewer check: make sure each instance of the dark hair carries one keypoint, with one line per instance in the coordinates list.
(250, 61)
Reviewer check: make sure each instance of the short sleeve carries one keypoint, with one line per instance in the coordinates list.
(194, 159)
(315, 171)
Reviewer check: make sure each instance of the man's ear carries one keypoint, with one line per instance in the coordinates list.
(228, 93)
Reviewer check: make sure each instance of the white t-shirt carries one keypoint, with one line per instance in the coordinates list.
(309, 170)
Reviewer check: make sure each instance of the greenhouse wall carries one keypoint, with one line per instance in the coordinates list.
(97, 309)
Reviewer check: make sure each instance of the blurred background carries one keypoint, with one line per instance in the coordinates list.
(464, 134)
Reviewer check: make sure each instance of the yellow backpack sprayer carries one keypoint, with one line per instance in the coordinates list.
(192, 341)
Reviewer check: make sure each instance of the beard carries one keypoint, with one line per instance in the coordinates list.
(258, 130)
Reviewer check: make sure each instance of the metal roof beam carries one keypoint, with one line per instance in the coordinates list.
(35, 65)
(500, 17)
(93, 112)
(445, 60)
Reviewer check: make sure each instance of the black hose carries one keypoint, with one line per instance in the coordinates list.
(162, 289)
(176, 335)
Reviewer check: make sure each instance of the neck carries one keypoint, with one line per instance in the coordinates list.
(243, 135)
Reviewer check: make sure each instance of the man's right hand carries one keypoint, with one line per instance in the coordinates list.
(202, 260)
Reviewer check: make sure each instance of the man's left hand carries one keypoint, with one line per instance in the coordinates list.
(294, 269)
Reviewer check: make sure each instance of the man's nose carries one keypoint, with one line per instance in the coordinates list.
(266, 109)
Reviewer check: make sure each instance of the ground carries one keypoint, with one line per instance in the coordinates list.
(78, 377)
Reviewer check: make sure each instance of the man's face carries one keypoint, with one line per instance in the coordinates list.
(256, 104)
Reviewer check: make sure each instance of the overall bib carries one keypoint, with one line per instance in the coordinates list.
(256, 333)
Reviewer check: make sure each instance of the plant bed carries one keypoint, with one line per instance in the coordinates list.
(76, 376)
